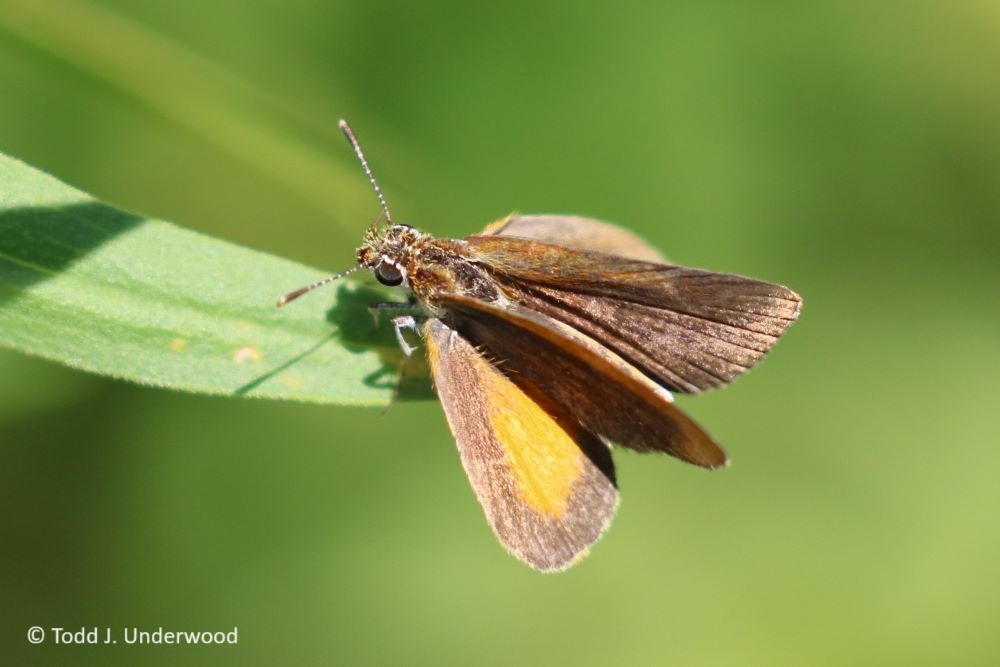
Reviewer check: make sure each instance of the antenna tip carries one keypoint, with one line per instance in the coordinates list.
(292, 296)
(342, 124)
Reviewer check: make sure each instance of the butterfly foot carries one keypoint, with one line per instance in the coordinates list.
(400, 323)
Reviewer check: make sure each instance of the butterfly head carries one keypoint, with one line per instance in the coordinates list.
(384, 252)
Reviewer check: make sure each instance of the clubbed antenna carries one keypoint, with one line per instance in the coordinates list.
(349, 133)
(292, 296)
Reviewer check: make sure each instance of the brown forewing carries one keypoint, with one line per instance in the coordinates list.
(688, 329)
(572, 231)
(553, 361)
(468, 384)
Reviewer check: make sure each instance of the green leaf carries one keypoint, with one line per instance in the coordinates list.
(106, 291)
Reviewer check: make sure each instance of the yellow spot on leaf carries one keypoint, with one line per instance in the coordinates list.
(291, 381)
(178, 344)
(245, 354)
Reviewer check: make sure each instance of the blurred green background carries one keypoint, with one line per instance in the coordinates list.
(848, 149)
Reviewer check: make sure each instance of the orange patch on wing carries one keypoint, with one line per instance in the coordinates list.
(544, 461)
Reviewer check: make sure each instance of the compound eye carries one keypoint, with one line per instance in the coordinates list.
(389, 274)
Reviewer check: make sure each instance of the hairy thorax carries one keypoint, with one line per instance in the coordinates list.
(441, 267)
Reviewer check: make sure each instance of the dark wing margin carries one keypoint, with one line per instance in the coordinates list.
(688, 329)
(606, 395)
(546, 484)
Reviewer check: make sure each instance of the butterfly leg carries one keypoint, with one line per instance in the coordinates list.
(405, 322)
(376, 308)
(399, 323)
